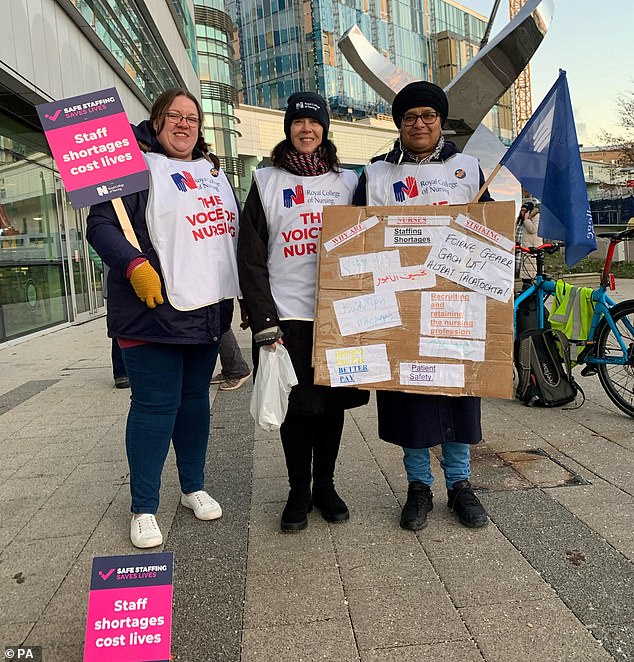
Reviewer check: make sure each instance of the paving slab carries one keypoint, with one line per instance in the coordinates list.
(384, 565)
(497, 579)
(550, 578)
(418, 613)
(315, 641)
(272, 552)
(447, 651)
(284, 598)
(542, 630)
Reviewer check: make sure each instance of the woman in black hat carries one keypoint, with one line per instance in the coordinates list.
(277, 263)
(424, 169)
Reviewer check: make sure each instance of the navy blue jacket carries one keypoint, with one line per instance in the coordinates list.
(416, 420)
(128, 316)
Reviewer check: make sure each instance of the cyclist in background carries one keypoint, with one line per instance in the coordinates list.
(526, 228)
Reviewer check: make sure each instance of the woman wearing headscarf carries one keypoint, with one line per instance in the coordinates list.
(277, 263)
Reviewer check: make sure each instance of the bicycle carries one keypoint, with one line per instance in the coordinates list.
(609, 348)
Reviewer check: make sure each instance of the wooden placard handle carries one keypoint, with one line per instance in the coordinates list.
(124, 221)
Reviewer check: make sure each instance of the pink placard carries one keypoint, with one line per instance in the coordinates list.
(94, 147)
(129, 625)
(130, 609)
(95, 151)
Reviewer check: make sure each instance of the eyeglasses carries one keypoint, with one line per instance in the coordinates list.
(175, 118)
(428, 118)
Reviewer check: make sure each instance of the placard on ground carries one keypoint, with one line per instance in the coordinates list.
(417, 299)
(130, 608)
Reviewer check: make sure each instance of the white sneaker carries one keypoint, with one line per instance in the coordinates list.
(202, 504)
(144, 531)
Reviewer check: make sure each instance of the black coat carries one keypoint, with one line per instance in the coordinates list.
(415, 420)
(306, 398)
(128, 316)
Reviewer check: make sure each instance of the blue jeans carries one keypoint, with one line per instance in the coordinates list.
(455, 462)
(169, 401)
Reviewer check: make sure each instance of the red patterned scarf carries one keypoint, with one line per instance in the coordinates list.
(307, 165)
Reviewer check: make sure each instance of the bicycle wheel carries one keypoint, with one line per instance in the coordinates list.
(618, 380)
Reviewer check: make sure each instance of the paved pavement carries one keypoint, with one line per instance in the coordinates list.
(550, 579)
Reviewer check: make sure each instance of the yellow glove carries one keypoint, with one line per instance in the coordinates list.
(147, 284)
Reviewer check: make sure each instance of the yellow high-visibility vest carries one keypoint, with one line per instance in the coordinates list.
(572, 313)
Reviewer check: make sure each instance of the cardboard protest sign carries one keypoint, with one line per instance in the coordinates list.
(93, 146)
(130, 608)
(417, 299)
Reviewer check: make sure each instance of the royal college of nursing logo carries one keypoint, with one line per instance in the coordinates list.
(296, 196)
(409, 189)
(184, 180)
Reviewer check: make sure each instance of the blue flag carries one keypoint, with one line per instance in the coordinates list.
(545, 159)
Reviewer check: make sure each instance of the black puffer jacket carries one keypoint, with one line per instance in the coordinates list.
(128, 316)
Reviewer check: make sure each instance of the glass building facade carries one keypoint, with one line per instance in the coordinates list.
(49, 275)
(123, 29)
(219, 96)
(291, 45)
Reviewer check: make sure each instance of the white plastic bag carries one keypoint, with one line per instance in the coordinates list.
(273, 383)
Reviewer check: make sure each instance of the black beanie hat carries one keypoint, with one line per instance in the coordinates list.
(306, 104)
(420, 93)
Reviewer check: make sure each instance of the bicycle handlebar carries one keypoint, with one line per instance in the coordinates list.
(550, 247)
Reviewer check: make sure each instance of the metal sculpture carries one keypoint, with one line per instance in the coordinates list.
(475, 90)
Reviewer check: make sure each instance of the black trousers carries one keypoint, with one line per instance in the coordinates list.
(311, 445)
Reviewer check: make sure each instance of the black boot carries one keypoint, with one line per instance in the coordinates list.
(465, 504)
(331, 505)
(295, 514)
(327, 434)
(298, 453)
(419, 503)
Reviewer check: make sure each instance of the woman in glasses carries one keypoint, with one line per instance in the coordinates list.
(424, 169)
(169, 302)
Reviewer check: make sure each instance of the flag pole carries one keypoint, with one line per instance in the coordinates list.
(489, 179)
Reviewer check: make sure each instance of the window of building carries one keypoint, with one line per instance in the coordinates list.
(32, 286)
(124, 32)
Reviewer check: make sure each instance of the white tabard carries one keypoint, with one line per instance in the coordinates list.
(454, 181)
(293, 206)
(192, 218)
